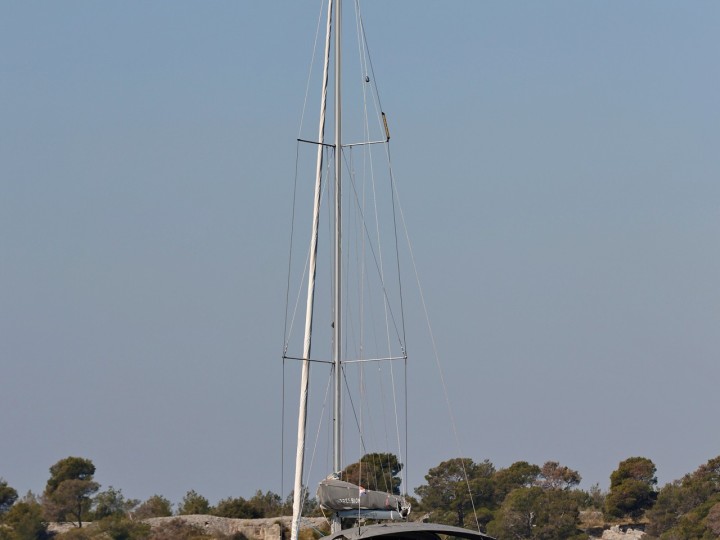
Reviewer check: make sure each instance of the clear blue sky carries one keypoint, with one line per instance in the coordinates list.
(561, 171)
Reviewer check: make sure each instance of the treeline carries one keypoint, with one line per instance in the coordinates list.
(72, 495)
(522, 501)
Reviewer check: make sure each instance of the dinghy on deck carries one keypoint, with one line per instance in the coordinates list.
(351, 501)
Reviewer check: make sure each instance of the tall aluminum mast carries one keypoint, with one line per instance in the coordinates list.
(337, 289)
(298, 490)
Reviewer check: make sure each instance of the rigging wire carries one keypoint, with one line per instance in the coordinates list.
(282, 435)
(393, 321)
(400, 288)
(398, 334)
(369, 60)
(368, 159)
(328, 386)
(377, 259)
(360, 250)
(437, 361)
(287, 331)
(298, 296)
(289, 327)
(311, 68)
(381, 116)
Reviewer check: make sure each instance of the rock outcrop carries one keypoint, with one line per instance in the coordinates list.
(616, 533)
(252, 529)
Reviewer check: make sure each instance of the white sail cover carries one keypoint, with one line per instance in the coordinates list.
(338, 496)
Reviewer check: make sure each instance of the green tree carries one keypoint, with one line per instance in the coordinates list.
(555, 476)
(635, 468)
(376, 471)
(632, 488)
(689, 508)
(24, 521)
(70, 468)
(455, 488)
(119, 527)
(595, 497)
(674, 501)
(516, 517)
(8, 496)
(266, 504)
(533, 513)
(155, 506)
(260, 505)
(236, 508)
(72, 499)
(193, 503)
(69, 489)
(519, 474)
(111, 502)
(712, 520)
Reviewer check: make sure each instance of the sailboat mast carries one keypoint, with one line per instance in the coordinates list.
(298, 490)
(337, 290)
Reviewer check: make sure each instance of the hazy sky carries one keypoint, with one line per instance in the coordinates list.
(560, 165)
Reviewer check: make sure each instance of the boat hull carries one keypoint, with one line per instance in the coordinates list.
(406, 531)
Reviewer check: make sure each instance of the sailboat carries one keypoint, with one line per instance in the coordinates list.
(343, 500)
